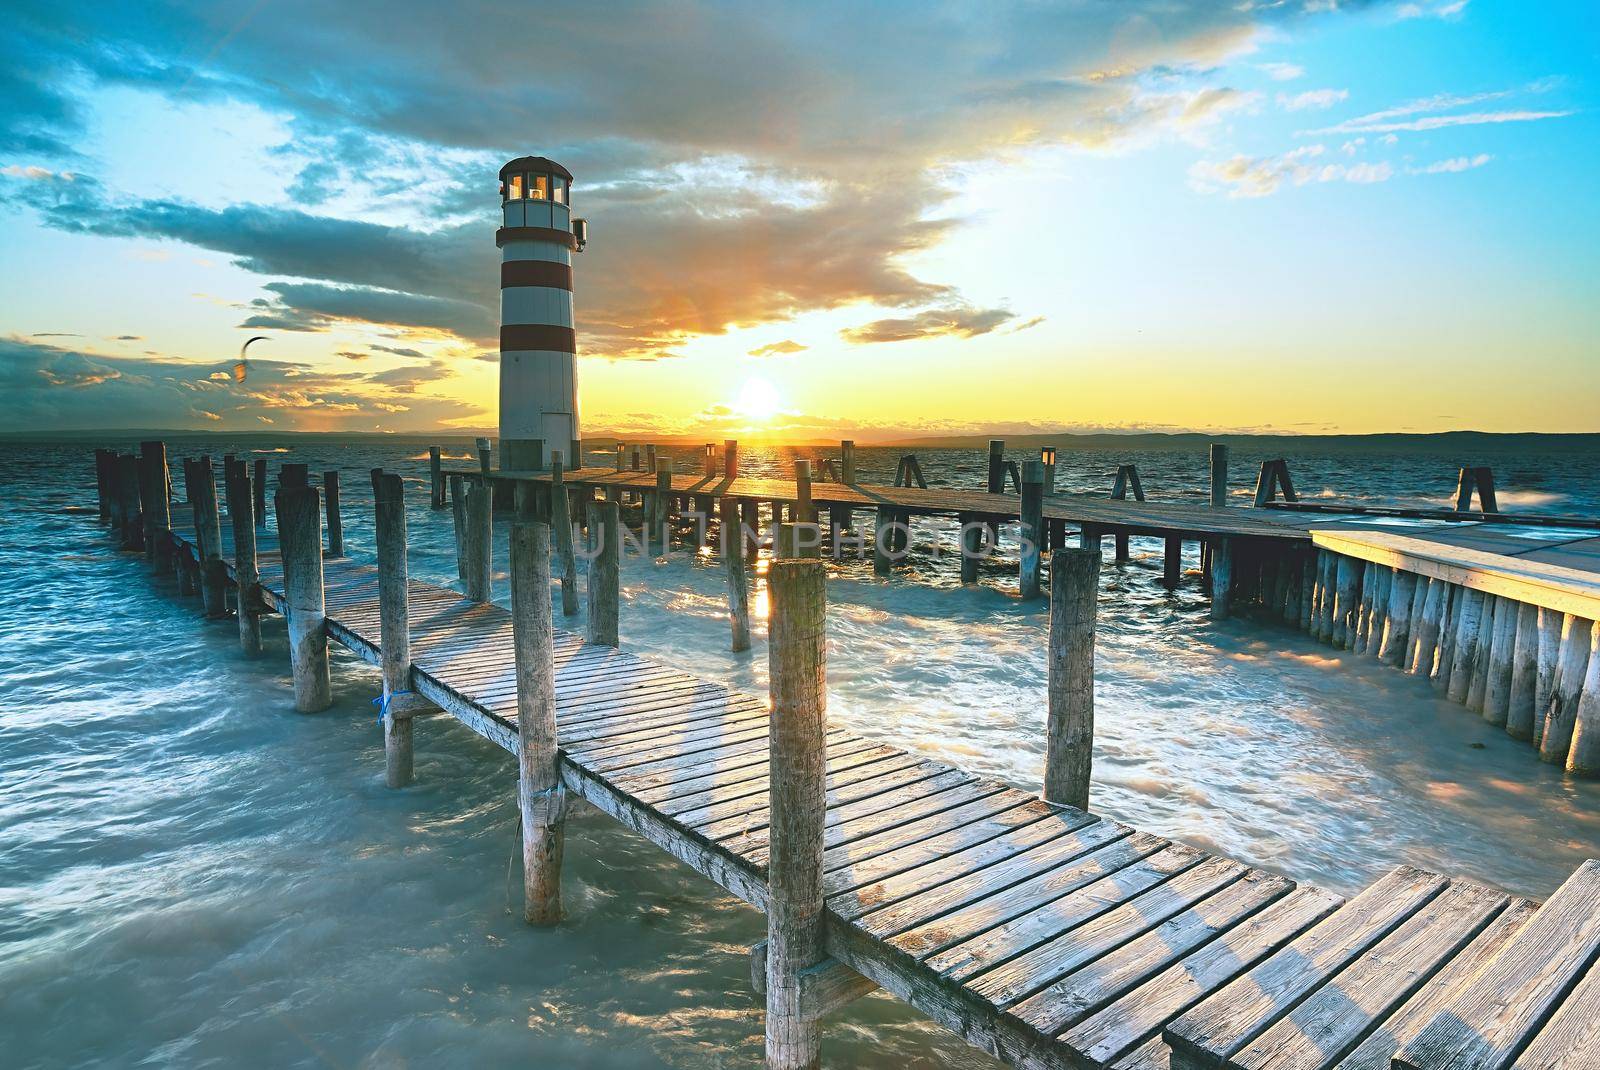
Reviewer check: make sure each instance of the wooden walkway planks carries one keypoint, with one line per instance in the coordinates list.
(1048, 936)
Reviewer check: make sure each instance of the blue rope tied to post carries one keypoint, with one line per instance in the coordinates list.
(382, 702)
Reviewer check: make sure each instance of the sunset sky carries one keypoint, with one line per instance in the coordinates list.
(810, 219)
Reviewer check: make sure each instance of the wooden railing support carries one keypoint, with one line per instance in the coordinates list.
(1069, 744)
(605, 579)
(300, 541)
(540, 795)
(247, 579)
(1032, 525)
(732, 544)
(394, 626)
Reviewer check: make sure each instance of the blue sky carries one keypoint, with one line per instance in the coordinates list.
(891, 219)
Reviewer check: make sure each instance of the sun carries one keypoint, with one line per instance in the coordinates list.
(758, 401)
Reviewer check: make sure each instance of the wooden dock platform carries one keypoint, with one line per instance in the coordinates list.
(1043, 934)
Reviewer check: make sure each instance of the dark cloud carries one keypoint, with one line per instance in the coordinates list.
(962, 322)
(43, 385)
(399, 351)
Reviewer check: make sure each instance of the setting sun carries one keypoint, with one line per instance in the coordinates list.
(758, 401)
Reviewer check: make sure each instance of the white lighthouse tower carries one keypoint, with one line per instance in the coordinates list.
(538, 367)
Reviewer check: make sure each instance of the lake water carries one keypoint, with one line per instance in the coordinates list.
(193, 875)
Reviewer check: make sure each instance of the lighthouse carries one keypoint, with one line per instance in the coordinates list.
(538, 347)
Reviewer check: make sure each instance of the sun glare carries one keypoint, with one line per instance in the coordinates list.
(758, 401)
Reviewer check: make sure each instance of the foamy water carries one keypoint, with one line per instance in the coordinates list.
(191, 874)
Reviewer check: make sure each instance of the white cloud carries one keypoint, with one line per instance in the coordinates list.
(1423, 113)
(1439, 122)
(34, 173)
(1453, 165)
(1436, 9)
(1246, 176)
(1312, 98)
(1282, 72)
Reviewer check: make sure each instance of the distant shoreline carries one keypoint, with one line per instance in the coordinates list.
(1455, 441)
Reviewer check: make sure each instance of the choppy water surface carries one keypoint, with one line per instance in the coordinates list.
(193, 875)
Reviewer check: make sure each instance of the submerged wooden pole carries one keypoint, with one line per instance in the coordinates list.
(300, 542)
(972, 532)
(561, 529)
(330, 501)
(246, 574)
(1221, 577)
(657, 530)
(436, 497)
(394, 626)
(1583, 756)
(1463, 657)
(732, 540)
(605, 579)
(1033, 533)
(1171, 563)
(1571, 666)
(1397, 621)
(1545, 678)
(1502, 646)
(157, 506)
(540, 796)
(1069, 742)
(997, 466)
(208, 525)
(797, 807)
(1346, 601)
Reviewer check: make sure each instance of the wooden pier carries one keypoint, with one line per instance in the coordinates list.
(1039, 931)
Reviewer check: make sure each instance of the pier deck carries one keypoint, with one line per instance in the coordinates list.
(1048, 936)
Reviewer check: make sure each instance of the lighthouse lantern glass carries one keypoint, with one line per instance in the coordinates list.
(514, 188)
(558, 190)
(539, 187)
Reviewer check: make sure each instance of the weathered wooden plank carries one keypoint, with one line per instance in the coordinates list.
(1494, 1013)
(1211, 1032)
(1134, 1020)
(1571, 1039)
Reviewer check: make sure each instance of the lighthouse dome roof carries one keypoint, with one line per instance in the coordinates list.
(535, 163)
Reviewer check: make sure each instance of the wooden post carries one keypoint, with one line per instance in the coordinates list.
(1571, 668)
(330, 500)
(732, 542)
(102, 485)
(485, 455)
(750, 526)
(258, 483)
(1478, 686)
(1346, 601)
(477, 550)
(972, 532)
(300, 541)
(1221, 577)
(1219, 474)
(561, 528)
(997, 466)
(659, 531)
(730, 459)
(540, 796)
(132, 510)
(605, 579)
(436, 498)
(1327, 575)
(1583, 757)
(1171, 562)
(1449, 629)
(247, 579)
(847, 462)
(1497, 693)
(1033, 534)
(208, 525)
(394, 626)
(157, 507)
(805, 512)
(1524, 673)
(458, 515)
(621, 457)
(1545, 679)
(883, 538)
(1463, 660)
(1069, 745)
(1382, 597)
(797, 807)
(1397, 625)
(293, 474)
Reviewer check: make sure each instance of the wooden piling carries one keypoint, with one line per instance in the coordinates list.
(1294, 588)
(732, 546)
(1478, 686)
(1520, 722)
(1032, 534)
(883, 538)
(972, 531)
(1221, 577)
(1219, 474)
(485, 455)
(102, 484)
(246, 574)
(330, 502)
(477, 547)
(128, 492)
(1171, 563)
(561, 530)
(1378, 615)
(997, 466)
(1397, 621)
(258, 483)
(1571, 668)
(1327, 576)
(1497, 692)
(394, 625)
(294, 474)
(750, 527)
(436, 496)
(1346, 600)
(730, 459)
(1463, 659)
(1550, 621)
(208, 526)
(1583, 756)
(605, 578)
(156, 506)
(1308, 590)
(659, 531)
(1069, 738)
(458, 517)
(300, 543)
(797, 807)
(540, 795)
